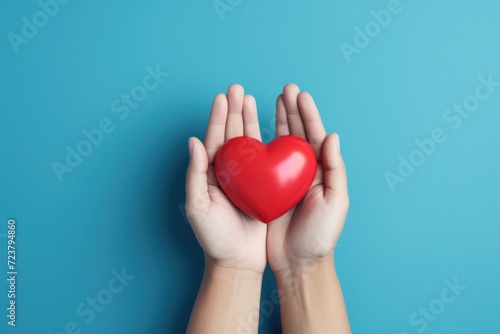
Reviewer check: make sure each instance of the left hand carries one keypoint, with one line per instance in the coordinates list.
(229, 238)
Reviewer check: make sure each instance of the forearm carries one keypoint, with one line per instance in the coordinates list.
(228, 301)
(312, 300)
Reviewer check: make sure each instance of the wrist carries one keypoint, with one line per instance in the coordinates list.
(311, 298)
(228, 299)
(221, 270)
(306, 271)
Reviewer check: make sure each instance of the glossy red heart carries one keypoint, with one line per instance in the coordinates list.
(265, 181)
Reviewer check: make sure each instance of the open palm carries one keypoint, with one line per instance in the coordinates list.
(228, 236)
(310, 230)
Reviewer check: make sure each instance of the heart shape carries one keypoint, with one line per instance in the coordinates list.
(265, 181)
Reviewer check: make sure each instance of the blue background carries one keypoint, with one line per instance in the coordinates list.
(120, 207)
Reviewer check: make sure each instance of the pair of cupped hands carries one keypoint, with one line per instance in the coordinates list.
(303, 236)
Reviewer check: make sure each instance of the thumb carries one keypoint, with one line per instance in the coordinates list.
(197, 198)
(334, 172)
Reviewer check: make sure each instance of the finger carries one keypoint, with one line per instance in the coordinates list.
(250, 118)
(314, 127)
(234, 123)
(197, 199)
(214, 137)
(281, 119)
(290, 94)
(334, 172)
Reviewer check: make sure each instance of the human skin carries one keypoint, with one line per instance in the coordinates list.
(234, 243)
(301, 244)
(298, 246)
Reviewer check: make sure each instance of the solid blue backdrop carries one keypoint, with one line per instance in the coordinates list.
(102, 243)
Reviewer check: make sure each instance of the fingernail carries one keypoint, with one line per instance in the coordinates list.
(338, 142)
(190, 144)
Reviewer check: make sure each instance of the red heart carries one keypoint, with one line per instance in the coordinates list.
(265, 181)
